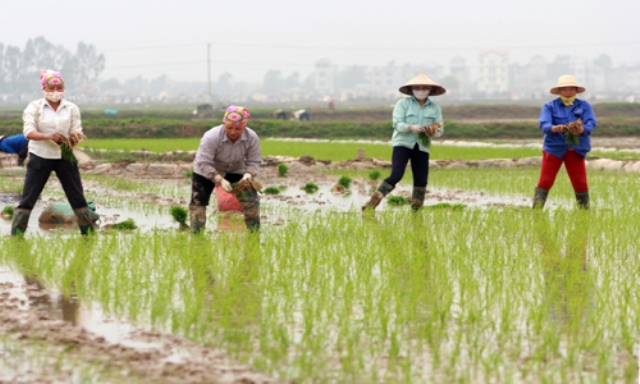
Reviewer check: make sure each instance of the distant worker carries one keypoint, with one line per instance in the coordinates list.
(301, 115)
(567, 124)
(228, 153)
(17, 144)
(416, 119)
(280, 114)
(331, 104)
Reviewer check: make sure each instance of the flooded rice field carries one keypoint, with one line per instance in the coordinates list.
(490, 292)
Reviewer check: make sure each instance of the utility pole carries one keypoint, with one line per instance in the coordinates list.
(209, 68)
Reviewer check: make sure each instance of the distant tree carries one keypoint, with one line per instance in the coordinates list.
(603, 61)
(223, 85)
(451, 82)
(12, 67)
(112, 83)
(292, 81)
(84, 67)
(309, 84)
(158, 85)
(352, 76)
(272, 81)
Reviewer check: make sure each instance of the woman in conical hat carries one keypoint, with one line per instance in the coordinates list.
(567, 123)
(416, 119)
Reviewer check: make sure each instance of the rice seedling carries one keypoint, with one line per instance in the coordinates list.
(345, 181)
(283, 169)
(271, 190)
(374, 175)
(442, 295)
(7, 212)
(397, 200)
(310, 188)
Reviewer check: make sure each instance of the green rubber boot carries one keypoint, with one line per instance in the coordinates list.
(20, 221)
(583, 199)
(85, 220)
(197, 218)
(383, 190)
(250, 202)
(417, 198)
(539, 198)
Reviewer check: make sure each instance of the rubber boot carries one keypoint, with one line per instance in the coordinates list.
(539, 198)
(583, 199)
(383, 190)
(250, 202)
(85, 221)
(20, 221)
(197, 218)
(417, 198)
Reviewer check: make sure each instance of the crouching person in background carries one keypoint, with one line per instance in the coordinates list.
(228, 153)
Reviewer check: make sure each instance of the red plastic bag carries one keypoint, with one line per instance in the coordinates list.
(227, 201)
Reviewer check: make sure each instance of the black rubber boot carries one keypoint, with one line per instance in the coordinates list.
(539, 198)
(197, 218)
(85, 220)
(250, 202)
(417, 198)
(20, 221)
(383, 190)
(583, 199)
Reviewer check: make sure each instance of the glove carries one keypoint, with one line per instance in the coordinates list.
(246, 176)
(417, 129)
(224, 184)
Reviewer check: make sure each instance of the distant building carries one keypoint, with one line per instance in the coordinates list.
(324, 76)
(493, 73)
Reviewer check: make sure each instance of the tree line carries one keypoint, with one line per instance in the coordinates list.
(20, 68)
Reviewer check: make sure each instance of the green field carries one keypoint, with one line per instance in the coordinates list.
(474, 295)
(336, 151)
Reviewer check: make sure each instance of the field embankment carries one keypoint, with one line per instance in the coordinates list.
(461, 122)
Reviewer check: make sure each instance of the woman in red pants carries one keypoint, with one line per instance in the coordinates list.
(567, 123)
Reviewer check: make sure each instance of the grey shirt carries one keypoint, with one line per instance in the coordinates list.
(218, 155)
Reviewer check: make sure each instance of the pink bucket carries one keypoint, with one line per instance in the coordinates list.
(227, 201)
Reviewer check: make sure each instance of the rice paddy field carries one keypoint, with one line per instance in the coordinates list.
(483, 294)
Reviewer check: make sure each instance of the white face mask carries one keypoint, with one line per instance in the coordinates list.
(53, 96)
(421, 95)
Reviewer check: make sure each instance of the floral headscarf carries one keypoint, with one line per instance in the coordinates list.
(236, 115)
(49, 77)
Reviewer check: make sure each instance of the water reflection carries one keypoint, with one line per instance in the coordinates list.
(568, 283)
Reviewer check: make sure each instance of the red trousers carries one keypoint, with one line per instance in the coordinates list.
(575, 168)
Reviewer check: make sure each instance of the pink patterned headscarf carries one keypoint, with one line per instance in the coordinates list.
(236, 115)
(49, 77)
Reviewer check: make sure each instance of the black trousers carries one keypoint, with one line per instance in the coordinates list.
(201, 188)
(419, 165)
(38, 172)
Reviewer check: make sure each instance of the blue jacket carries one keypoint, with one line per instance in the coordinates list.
(409, 112)
(13, 144)
(556, 113)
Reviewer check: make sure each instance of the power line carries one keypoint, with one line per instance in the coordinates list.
(375, 49)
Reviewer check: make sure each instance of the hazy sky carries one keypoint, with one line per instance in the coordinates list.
(248, 37)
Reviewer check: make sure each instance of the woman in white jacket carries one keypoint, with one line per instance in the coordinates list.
(48, 123)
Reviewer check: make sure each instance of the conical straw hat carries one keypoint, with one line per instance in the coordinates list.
(566, 81)
(423, 79)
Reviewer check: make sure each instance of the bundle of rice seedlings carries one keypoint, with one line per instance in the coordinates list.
(397, 200)
(246, 185)
(67, 146)
(271, 190)
(310, 188)
(7, 212)
(571, 137)
(426, 139)
(180, 215)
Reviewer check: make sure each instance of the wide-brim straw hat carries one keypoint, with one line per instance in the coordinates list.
(423, 79)
(566, 81)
